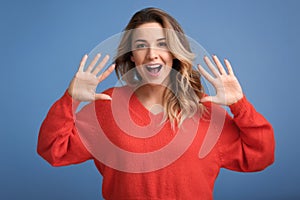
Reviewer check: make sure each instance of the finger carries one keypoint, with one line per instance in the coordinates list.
(102, 96)
(93, 63)
(219, 65)
(211, 66)
(205, 73)
(107, 72)
(101, 65)
(229, 68)
(82, 62)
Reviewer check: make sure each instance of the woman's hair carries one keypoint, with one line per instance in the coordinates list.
(181, 100)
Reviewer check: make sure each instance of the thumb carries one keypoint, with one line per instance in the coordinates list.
(102, 96)
(206, 99)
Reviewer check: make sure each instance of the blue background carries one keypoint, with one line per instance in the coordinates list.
(42, 43)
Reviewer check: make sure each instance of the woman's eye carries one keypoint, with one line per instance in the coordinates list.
(141, 46)
(162, 44)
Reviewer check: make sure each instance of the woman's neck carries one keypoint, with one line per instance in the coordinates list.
(151, 96)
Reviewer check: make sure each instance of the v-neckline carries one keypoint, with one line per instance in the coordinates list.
(137, 102)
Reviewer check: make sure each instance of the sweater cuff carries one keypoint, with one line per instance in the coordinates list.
(240, 106)
(68, 98)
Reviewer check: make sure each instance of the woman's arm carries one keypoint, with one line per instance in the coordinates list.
(247, 140)
(58, 141)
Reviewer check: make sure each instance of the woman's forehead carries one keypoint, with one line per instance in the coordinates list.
(148, 33)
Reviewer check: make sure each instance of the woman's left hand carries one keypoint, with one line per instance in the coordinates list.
(228, 88)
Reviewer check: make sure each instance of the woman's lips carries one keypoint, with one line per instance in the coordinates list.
(154, 69)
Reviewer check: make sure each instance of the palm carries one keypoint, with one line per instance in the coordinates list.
(84, 84)
(228, 89)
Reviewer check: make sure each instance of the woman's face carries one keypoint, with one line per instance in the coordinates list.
(150, 53)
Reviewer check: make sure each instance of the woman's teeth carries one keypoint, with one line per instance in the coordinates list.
(154, 69)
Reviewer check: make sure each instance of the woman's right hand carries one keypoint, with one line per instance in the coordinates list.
(84, 84)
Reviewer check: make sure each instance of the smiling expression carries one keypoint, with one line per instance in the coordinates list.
(150, 53)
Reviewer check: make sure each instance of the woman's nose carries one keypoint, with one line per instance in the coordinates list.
(152, 53)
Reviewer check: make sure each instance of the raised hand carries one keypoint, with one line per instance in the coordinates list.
(83, 85)
(228, 88)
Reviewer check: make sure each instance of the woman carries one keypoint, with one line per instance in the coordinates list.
(187, 138)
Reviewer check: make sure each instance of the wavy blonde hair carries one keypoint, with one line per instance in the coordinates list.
(181, 99)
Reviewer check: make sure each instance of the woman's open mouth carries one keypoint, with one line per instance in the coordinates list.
(154, 69)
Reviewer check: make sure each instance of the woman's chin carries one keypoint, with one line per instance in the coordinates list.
(156, 82)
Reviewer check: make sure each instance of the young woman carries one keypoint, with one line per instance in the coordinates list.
(159, 136)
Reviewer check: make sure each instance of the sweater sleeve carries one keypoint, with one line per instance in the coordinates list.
(247, 140)
(58, 140)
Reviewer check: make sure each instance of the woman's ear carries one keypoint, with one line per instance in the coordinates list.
(173, 56)
(132, 58)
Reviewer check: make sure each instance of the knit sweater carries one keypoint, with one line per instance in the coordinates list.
(180, 163)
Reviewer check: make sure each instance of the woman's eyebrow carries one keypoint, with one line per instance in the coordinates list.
(161, 39)
(142, 40)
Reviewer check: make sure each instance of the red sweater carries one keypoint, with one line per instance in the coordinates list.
(245, 143)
